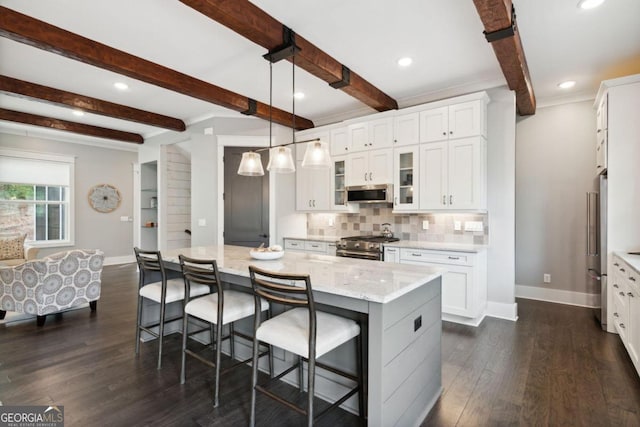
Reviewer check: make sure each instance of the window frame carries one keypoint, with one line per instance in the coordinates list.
(69, 161)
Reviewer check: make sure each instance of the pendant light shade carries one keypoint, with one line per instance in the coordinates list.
(251, 164)
(317, 155)
(281, 160)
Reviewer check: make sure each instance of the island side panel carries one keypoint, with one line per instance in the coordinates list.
(405, 375)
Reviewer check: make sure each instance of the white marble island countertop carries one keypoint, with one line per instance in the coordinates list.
(373, 281)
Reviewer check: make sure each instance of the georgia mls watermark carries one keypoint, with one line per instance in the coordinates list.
(31, 416)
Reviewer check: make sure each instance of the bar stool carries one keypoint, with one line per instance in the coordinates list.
(219, 308)
(303, 331)
(163, 292)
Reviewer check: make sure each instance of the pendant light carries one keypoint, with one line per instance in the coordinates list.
(280, 158)
(251, 164)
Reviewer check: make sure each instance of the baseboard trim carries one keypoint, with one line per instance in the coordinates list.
(116, 260)
(501, 310)
(558, 296)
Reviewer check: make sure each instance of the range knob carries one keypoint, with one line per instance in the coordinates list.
(375, 246)
(357, 245)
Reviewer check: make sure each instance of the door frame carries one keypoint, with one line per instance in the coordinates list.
(244, 141)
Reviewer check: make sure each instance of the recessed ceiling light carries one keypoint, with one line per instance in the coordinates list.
(298, 95)
(78, 113)
(567, 85)
(405, 62)
(121, 86)
(589, 4)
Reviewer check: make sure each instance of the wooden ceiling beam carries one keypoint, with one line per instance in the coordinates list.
(63, 98)
(67, 126)
(500, 26)
(250, 21)
(25, 29)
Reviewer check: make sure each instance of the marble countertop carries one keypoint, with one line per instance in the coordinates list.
(454, 247)
(328, 239)
(632, 260)
(355, 278)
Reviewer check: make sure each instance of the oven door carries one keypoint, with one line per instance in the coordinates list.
(359, 254)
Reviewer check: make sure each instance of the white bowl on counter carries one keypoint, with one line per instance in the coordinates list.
(266, 255)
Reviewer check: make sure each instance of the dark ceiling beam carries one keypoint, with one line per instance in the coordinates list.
(25, 29)
(63, 98)
(500, 26)
(64, 125)
(250, 21)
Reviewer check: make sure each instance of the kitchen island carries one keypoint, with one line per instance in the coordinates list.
(399, 305)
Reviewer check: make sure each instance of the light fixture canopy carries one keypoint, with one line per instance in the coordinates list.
(251, 164)
(281, 160)
(317, 155)
(589, 4)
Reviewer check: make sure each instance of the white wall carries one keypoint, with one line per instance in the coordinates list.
(94, 165)
(555, 167)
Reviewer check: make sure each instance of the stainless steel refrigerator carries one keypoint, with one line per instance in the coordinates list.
(597, 245)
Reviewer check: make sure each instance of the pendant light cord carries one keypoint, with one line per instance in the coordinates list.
(270, 102)
(293, 98)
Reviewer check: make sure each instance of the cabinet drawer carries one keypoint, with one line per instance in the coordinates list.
(294, 244)
(421, 255)
(315, 246)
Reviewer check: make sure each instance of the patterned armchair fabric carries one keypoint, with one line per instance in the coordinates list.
(55, 283)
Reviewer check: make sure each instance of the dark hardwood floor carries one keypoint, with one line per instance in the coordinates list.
(552, 367)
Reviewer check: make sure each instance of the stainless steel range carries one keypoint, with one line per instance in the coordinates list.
(363, 247)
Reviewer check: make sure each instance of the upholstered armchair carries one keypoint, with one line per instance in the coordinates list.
(14, 250)
(52, 284)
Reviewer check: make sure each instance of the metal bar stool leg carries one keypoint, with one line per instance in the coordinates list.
(185, 326)
(218, 352)
(301, 374)
(360, 372)
(160, 335)
(311, 366)
(139, 319)
(254, 376)
(232, 341)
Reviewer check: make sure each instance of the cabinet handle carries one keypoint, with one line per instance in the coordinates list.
(616, 264)
(315, 246)
(623, 270)
(630, 294)
(309, 202)
(633, 279)
(314, 203)
(415, 254)
(615, 315)
(615, 285)
(395, 200)
(451, 199)
(454, 257)
(599, 130)
(450, 132)
(365, 176)
(395, 141)
(444, 200)
(346, 149)
(622, 326)
(621, 293)
(444, 134)
(391, 250)
(370, 176)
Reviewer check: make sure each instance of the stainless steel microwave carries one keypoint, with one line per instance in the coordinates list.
(381, 193)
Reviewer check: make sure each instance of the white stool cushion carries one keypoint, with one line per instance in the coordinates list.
(175, 290)
(237, 305)
(290, 331)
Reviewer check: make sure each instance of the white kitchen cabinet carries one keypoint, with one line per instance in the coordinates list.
(405, 181)
(453, 175)
(602, 135)
(454, 121)
(391, 254)
(370, 167)
(625, 287)
(464, 284)
(339, 141)
(313, 186)
(338, 186)
(406, 129)
(371, 135)
(310, 246)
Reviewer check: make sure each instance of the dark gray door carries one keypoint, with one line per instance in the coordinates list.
(246, 202)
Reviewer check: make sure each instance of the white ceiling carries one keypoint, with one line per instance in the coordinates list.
(444, 38)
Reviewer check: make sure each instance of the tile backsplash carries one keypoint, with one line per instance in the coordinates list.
(404, 226)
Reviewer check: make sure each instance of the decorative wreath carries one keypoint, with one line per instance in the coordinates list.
(104, 198)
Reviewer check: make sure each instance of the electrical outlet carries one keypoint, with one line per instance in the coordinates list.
(547, 278)
(425, 224)
(202, 222)
(332, 221)
(473, 226)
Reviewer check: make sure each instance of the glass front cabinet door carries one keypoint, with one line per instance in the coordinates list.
(338, 185)
(405, 185)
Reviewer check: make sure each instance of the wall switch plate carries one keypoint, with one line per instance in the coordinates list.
(332, 222)
(202, 222)
(457, 225)
(208, 131)
(547, 278)
(473, 226)
(425, 224)
(124, 219)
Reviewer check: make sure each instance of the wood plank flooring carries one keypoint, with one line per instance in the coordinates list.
(552, 367)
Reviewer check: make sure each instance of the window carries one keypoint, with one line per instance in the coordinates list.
(36, 196)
